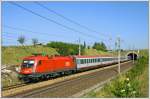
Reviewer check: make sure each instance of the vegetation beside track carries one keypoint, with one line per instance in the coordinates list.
(92, 52)
(14, 55)
(134, 83)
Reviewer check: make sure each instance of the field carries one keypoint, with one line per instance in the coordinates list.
(134, 83)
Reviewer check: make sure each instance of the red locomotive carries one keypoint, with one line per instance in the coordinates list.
(40, 67)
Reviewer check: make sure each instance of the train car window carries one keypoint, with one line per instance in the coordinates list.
(103, 59)
(107, 59)
(98, 60)
(82, 61)
(77, 61)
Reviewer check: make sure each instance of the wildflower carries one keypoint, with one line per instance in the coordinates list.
(134, 92)
(127, 79)
(128, 84)
(122, 90)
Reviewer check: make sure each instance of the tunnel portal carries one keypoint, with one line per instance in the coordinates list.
(132, 56)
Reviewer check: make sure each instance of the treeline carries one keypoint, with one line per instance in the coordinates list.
(66, 48)
(100, 46)
(73, 49)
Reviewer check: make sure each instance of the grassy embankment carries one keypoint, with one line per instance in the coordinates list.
(14, 55)
(92, 52)
(134, 83)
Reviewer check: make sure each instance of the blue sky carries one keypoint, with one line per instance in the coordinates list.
(129, 20)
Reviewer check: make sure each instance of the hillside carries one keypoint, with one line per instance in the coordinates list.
(13, 55)
(92, 52)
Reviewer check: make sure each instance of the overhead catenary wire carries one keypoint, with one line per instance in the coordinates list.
(34, 32)
(70, 20)
(48, 19)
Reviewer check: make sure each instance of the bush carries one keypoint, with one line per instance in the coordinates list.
(130, 87)
(65, 48)
(126, 88)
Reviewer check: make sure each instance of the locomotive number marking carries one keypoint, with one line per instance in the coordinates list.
(67, 63)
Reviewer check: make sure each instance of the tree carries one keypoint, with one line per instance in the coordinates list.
(99, 46)
(104, 48)
(21, 40)
(66, 48)
(34, 41)
(84, 44)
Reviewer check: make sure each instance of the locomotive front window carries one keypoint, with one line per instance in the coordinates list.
(28, 63)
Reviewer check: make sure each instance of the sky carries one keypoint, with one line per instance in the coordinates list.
(104, 21)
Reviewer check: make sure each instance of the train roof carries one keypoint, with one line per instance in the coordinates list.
(40, 57)
(61, 57)
(93, 56)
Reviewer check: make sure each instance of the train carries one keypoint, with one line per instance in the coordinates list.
(38, 67)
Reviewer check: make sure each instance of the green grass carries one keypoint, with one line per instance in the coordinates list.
(92, 52)
(14, 55)
(134, 83)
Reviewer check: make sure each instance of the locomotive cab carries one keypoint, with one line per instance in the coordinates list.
(27, 66)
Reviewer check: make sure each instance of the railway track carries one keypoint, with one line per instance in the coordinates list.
(13, 86)
(24, 84)
(67, 88)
